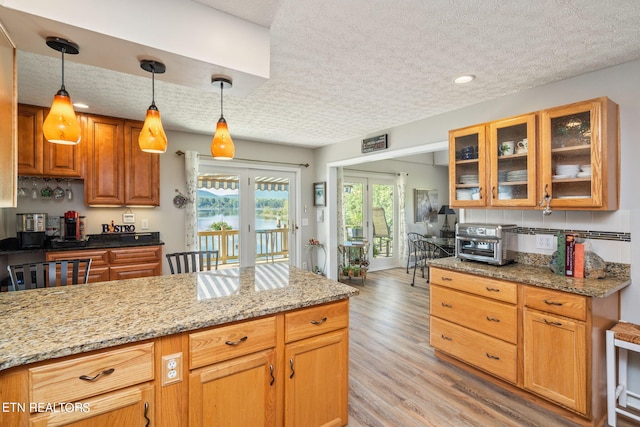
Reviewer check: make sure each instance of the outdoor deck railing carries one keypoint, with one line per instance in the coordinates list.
(271, 244)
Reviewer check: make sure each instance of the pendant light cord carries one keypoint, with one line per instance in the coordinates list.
(63, 50)
(221, 89)
(153, 85)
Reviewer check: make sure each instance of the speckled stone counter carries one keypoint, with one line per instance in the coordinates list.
(46, 323)
(536, 276)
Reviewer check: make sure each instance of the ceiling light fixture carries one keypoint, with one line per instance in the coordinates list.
(152, 138)
(222, 147)
(61, 125)
(464, 79)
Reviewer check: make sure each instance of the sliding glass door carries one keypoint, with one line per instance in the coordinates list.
(247, 214)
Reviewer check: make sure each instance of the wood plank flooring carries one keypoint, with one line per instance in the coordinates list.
(395, 379)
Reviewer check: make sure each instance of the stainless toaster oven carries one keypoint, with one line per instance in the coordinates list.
(490, 243)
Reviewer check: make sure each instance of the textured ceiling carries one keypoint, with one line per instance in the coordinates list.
(347, 69)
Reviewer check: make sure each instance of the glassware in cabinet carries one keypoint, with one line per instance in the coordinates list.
(580, 155)
(467, 167)
(512, 155)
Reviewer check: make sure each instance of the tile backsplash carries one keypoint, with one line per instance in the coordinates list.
(608, 233)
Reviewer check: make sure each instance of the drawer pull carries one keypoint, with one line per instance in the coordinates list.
(492, 289)
(446, 279)
(492, 319)
(444, 304)
(293, 372)
(271, 373)
(491, 356)
(318, 322)
(241, 340)
(146, 412)
(552, 302)
(444, 337)
(552, 323)
(98, 375)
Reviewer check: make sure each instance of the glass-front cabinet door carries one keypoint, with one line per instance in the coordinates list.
(512, 161)
(579, 155)
(467, 167)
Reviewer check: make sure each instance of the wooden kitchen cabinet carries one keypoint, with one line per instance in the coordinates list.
(37, 156)
(8, 122)
(316, 359)
(115, 264)
(233, 377)
(118, 172)
(467, 167)
(584, 134)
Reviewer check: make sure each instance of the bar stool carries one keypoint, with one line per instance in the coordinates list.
(625, 337)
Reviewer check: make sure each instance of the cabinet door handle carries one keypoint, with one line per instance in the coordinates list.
(480, 192)
(293, 372)
(552, 302)
(492, 289)
(492, 319)
(446, 279)
(552, 323)
(146, 412)
(444, 337)
(241, 340)
(318, 322)
(491, 356)
(98, 375)
(446, 305)
(273, 379)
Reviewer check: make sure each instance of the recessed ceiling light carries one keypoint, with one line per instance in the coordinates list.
(80, 105)
(464, 79)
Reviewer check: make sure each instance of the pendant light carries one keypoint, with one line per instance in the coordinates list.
(222, 147)
(152, 138)
(61, 125)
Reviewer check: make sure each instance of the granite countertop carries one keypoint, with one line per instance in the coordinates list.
(42, 324)
(536, 276)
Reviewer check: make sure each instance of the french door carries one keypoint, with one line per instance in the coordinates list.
(248, 214)
(370, 210)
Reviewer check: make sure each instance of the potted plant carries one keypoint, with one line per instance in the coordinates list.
(345, 270)
(356, 271)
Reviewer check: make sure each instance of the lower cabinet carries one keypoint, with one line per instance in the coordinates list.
(116, 264)
(546, 342)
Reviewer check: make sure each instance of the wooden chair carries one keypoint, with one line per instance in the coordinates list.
(49, 274)
(190, 262)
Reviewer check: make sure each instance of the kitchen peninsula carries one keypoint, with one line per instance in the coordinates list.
(258, 341)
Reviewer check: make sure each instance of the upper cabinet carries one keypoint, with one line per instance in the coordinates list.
(565, 157)
(579, 157)
(39, 157)
(118, 172)
(8, 105)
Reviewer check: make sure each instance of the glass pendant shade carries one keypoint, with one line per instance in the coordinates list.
(222, 147)
(61, 125)
(152, 138)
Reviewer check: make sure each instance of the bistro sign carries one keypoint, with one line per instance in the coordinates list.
(375, 143)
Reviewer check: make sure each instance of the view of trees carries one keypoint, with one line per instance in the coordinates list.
(352, 202)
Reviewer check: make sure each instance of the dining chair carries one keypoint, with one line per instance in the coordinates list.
(49, 274)
(192, 261)
(426, 251)
(411, 249)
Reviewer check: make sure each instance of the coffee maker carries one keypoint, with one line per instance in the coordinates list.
(71, 225)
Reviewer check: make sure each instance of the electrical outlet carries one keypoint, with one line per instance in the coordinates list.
(545, 241)
(304, 265)
(145, 224)
(171, 368)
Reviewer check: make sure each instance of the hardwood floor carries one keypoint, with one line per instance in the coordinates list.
(395, 379)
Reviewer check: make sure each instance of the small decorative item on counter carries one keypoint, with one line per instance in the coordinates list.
(113, 228)
(569, 258)
(314, 242)
(561, 260)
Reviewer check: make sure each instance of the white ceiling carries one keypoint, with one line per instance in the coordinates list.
(349, 69)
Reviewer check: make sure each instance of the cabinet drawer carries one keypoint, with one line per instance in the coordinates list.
(556, 302)
(493, 318)
(227, 342)
(483, 286)
(140, 255)
(115, 369)
(316, 320)
(99, 258)
(489, 354)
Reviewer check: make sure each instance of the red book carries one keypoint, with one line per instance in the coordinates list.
(578, 265)
(569, 259)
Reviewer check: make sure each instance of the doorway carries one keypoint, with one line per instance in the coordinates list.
(369, 206)
(247, 214)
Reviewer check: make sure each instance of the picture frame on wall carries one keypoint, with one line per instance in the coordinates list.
(425, 206)
(320, 193)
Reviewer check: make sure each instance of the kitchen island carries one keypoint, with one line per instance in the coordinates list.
(159, 347)
(535, 333)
